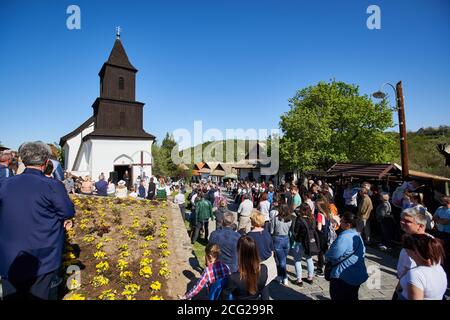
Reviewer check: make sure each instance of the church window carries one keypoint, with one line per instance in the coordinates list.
(121, 83)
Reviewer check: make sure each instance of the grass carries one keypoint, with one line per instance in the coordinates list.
(198, 247)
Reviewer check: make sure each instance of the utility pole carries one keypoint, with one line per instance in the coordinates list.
(402, 128)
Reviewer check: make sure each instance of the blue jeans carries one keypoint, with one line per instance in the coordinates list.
(281, 245)
(298, 254)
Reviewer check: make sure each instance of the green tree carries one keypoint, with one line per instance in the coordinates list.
(331, 122)
(163, 164)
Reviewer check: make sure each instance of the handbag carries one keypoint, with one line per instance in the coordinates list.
(329, 266)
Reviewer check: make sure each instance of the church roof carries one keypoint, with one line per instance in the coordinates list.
(117, 134)
(118, 56)
(72, 134)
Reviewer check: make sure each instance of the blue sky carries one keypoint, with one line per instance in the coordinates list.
(231, 64)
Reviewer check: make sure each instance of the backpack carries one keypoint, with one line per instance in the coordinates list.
(310, 240)
(215, 290)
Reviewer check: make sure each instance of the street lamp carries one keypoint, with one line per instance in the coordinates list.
(400, 107)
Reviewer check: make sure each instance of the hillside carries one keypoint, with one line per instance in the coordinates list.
(423, 153)
(210, 148)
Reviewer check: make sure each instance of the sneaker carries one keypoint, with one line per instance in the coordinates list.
(308, 281)
(382, 247)
(319, 273)
(285, 282)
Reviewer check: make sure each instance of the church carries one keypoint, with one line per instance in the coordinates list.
(113, 140)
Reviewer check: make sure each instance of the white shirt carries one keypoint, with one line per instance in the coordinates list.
(431, 280)
(179, 199)
(264, 207)
(405, 262)
(133, 194)
(245, 208)
(111, 188)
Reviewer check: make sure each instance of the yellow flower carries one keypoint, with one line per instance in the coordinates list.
(123, 247)
(164, 263)
(100, 245)
(163, 246)
(165, 253)
(164, 272)
(108, 295)
(122, 264)
(156, 298)
(146, 253)
(148, 238)
(75, 296)
(100, 281)
(130, 291)
(99, 255)
(107, 239)
(102, 266)
(88, 239)
(124, 254)
(143, 246)
(69, 256)
(146, 272)
(156, 285)
(162, 234)
(145, 262)
(126, 275)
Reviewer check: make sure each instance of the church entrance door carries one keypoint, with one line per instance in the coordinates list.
(120, 172)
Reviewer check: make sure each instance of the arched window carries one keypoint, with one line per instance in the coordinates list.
(121, 83)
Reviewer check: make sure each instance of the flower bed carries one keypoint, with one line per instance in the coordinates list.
(121, 249)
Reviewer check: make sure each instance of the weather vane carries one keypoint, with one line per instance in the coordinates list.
(118, 32)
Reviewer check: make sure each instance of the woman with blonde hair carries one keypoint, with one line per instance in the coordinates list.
(264, 243)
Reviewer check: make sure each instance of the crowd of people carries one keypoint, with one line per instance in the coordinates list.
(247, 250)
(308, 220)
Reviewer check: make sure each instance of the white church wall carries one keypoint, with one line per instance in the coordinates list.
(82, 165)
(72, 147)
(107, 153)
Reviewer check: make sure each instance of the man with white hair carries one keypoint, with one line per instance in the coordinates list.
(34, 212)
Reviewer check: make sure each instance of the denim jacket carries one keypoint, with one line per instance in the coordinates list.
(353, 270)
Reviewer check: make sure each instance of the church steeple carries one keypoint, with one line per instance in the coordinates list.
(118, 76)
(118, 56)
(116, 111)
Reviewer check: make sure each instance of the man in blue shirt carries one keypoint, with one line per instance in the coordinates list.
(102, 186)
(227, 239)
(34, 210)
